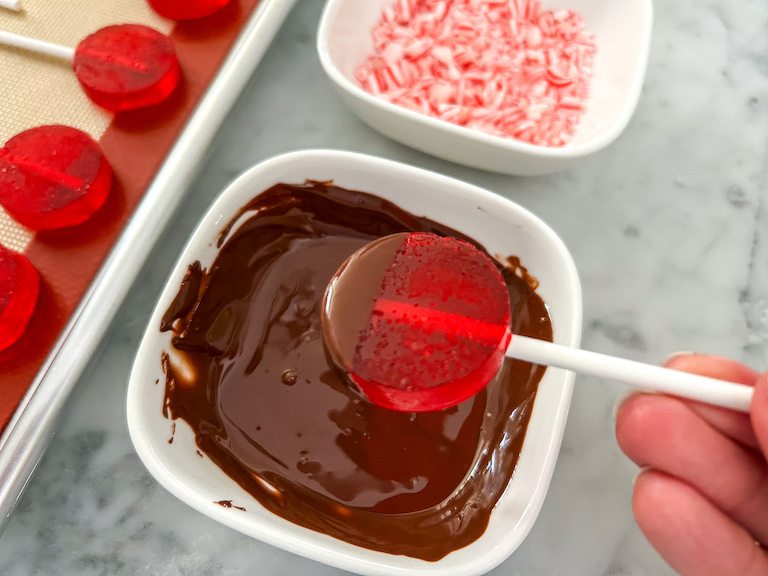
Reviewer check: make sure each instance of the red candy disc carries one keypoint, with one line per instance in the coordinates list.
(186, 9)
(419, 322)
(53, 177)
(19, 287)
(127, 67)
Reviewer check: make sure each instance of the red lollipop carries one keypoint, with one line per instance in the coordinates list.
(53, 177)
(122, 67)
(19, 287)
(186, 9)
(127, 67)
(420, 323)
(417, 321)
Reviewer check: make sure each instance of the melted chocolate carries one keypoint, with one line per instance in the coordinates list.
(248, 372)
(228, 504)
(185, 300)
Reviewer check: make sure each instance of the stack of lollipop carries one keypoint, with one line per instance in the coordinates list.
(57, 176)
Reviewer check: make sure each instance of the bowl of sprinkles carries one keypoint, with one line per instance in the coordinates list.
(511, 86)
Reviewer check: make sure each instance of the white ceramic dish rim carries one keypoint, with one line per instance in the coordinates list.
(568, 151)
(332, 552)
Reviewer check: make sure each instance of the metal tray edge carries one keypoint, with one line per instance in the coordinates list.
(32, 427)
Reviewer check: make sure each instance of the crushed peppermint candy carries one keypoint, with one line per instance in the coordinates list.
(502, 67)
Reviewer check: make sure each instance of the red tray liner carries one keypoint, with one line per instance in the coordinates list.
(136, 143)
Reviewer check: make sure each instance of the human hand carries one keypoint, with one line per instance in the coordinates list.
(702, 497)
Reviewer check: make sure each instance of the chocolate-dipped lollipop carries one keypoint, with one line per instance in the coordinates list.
(53, 177)
(123, 67)
(19, 287)
(419, 323)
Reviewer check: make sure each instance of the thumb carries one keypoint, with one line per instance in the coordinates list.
(759, 413)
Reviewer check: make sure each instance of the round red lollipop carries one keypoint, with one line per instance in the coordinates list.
(186, 9)
(126, 67)
(53, 177)
(19, 287)
(417, 321)
(420, 323)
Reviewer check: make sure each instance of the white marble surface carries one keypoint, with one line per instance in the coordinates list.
(668, 228)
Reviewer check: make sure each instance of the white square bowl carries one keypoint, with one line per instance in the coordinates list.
(623, 33)
(503, 228)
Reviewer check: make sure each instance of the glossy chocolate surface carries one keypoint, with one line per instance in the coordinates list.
(248, 372)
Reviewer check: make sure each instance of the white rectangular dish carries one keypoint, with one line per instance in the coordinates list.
(503, 228)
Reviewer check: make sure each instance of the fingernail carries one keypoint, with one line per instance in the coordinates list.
(620, 400)
(669, 357)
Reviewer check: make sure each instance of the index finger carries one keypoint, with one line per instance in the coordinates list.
(727, 422)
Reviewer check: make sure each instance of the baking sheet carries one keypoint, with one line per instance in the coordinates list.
(33, 424)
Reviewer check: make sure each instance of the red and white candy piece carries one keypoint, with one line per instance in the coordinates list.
(187, 9)
(502, 67)
(123, 67)
(53, 177)
(19, 288)
(420, 323)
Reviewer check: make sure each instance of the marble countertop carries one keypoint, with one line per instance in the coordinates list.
(669, 231)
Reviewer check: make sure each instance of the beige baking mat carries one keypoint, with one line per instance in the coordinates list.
(37, 90)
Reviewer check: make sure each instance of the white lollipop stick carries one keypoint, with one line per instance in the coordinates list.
(700, 388)
(14, 5)
(39, 46)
